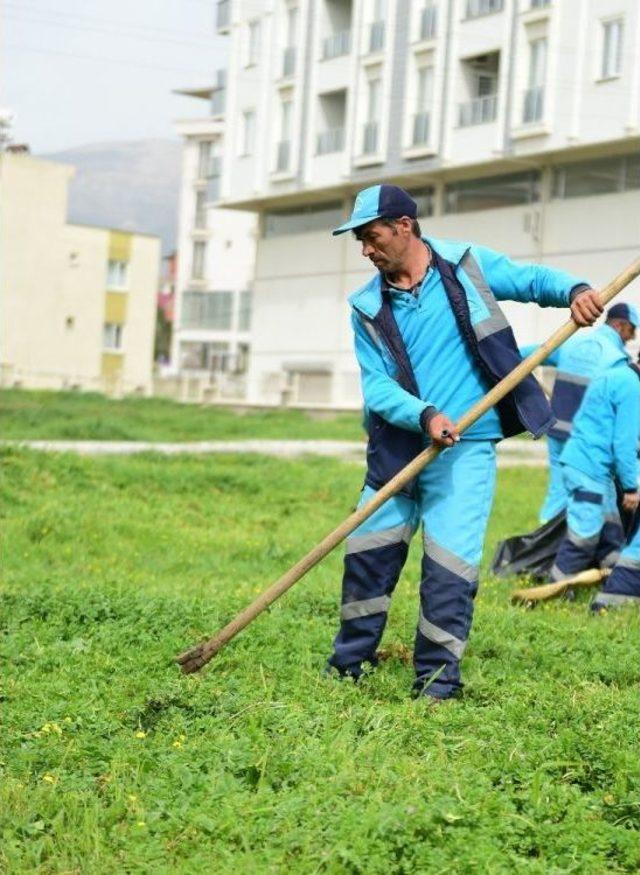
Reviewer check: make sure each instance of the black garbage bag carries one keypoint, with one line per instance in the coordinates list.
(532, 554)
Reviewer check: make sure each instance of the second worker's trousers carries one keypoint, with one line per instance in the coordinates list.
(453, 502)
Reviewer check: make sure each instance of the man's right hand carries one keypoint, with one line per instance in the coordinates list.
(630, 500)
(442, 431)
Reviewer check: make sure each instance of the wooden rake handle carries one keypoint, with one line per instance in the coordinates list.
(194, 659)
(552, 590)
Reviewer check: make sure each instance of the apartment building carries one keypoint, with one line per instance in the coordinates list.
(212, 311)
(515, 123)
(77, 303)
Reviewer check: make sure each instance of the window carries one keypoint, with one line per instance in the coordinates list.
(493, 192)
(199, 356)
(204, 158)
(534, 95)
(602, 176)
(248, 132)
(253, 43)
(424, 199)
(112, 336)
(476, 8)
(284, 145)
(428, 21)
(424, 95)
(207, 310)
(374, 92)
(197, 266)
(320, 217)
(200, 218)
(611, 48)
(117, 274)
(244, 311)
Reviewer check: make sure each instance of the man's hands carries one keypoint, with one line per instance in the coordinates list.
(442, 431)
(586, 307)
(630, 501)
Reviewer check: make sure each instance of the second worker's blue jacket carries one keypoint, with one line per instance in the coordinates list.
(474, 278)
(606, 429)
(581, 359)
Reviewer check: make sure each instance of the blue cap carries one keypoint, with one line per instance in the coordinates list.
(624, 311)
(379, 202)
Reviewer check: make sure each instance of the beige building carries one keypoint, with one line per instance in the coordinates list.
(77, 303)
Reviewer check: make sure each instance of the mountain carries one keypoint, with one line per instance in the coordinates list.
(128, 185)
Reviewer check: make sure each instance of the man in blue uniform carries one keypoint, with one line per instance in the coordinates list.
(603, 445)
(431, 339)
(578, 361)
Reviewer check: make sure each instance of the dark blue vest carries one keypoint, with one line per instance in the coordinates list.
(494, 348)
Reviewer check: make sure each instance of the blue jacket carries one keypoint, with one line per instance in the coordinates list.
(475, 278)
(606, 429)
(581, 359)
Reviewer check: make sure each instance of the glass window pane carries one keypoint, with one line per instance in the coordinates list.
(492, 193)
(424, 199)
(589, 177)
(322, 217)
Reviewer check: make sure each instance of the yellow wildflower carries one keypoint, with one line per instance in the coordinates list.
(177, 744)
(141, 734)
(49, 779)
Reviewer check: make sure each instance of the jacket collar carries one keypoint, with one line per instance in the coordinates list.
(368, 298)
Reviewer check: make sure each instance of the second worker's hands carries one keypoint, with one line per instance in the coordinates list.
(586, 307)
(630, 501)
(443, 431)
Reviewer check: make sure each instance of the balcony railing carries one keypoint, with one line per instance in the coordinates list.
(329, 141)
(336, 45)
(283, 154)
(478, 111)
(533, 105)
(370, 138)
(289, 61)
(223, 14)
(376, 36)
(428, 22)
(420, 129)
(476, 8)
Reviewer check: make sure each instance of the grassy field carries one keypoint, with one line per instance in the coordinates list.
(86, 416)
(111, 761)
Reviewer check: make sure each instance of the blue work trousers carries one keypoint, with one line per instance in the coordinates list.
(622, 587)
(453, 501)
(594, 529)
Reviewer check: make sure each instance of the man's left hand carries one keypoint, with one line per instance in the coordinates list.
(586, 307)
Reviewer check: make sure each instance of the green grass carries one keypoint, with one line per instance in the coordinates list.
(86, 416)
(114, 762)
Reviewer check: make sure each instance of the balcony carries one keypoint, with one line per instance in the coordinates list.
(336, 45)
(477, 8)
(330, 141)
(370, 138)
(289, 61)
(420, 129)
(533, 105)
(223, 16)
(428, 22)
(219, 94)
(283, 154)
(376, 36)
(479, 111)
(539, 4)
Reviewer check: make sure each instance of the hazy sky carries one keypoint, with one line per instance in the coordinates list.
(86, 71)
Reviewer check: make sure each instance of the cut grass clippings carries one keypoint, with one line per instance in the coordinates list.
(114, 762)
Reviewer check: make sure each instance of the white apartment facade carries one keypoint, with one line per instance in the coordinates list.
(515, 123)
(216, 250)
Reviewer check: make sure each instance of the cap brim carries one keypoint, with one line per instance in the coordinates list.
(352, 224)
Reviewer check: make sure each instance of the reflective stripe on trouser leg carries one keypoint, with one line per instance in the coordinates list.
(556, 498)
(374, 557)
(586, 508)
(623, 584)
(455, 496)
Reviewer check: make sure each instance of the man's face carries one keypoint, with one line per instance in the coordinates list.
(385, 246)
(627, 331)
